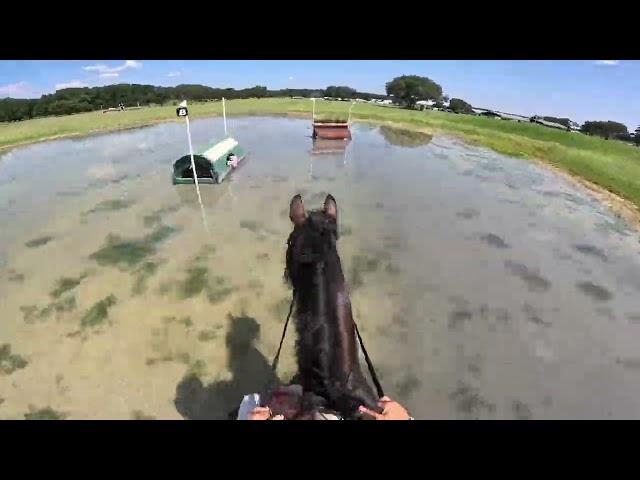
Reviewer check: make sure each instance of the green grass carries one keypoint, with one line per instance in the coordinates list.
(610, 164)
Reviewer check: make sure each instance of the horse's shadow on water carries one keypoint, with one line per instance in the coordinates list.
(251, 373)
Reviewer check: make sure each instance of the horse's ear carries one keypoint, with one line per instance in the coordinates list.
(296, 211)
(331, 207)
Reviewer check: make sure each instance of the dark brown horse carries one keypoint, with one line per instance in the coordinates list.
(326, 349)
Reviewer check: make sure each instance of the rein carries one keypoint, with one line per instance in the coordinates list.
(274, 364)
(372, 370)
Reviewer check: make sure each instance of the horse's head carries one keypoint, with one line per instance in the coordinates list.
(326, 345)
(313, 241)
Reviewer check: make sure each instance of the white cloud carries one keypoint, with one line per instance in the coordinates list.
(109, 74)
(607, 62)
(291, 78)
(17, 90)
(71, 84)
(96, 68)
(132, 64)
(103, 69)
(174, 74)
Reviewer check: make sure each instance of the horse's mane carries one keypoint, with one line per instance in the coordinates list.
(314, 335)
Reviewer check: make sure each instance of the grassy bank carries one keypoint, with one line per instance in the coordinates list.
(609, 164)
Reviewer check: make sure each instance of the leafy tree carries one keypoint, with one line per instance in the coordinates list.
(624, 137)
(636, 138)
(411, 88)
(339, 92)
(74, 100)
(604, 129)
(460, 106)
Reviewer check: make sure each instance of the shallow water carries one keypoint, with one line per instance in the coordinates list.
(484, 286)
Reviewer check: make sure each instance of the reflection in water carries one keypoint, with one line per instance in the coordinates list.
(327, 146)
(468, 308)
(404, 138)
(211, 195)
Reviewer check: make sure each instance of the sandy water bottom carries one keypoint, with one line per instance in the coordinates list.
(485, 287)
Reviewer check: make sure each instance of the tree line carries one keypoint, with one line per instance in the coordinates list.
(86, 99)
(408, 89)
(610, 129)
(405, 90)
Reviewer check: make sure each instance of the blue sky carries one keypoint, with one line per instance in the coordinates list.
(582, 90)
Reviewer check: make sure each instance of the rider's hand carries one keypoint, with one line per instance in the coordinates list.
(263, 413)
(390, 411)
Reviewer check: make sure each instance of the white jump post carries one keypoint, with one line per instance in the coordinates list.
(350, 108)
(182, 111)
(313, 112)
(224, 116)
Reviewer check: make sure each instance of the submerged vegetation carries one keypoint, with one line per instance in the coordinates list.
(127, 253)
(362, 264)
(140, 415)
(111, 206)
(142, 274)
(46, 413)
(14, 276)
(194, 283)
(155, 218)
(197, 280)
(98, 313)
(208, 335)
(10, 362)
(64, 284)
(38, 242)
(251, 225)
(33, 313)
(186, 321)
